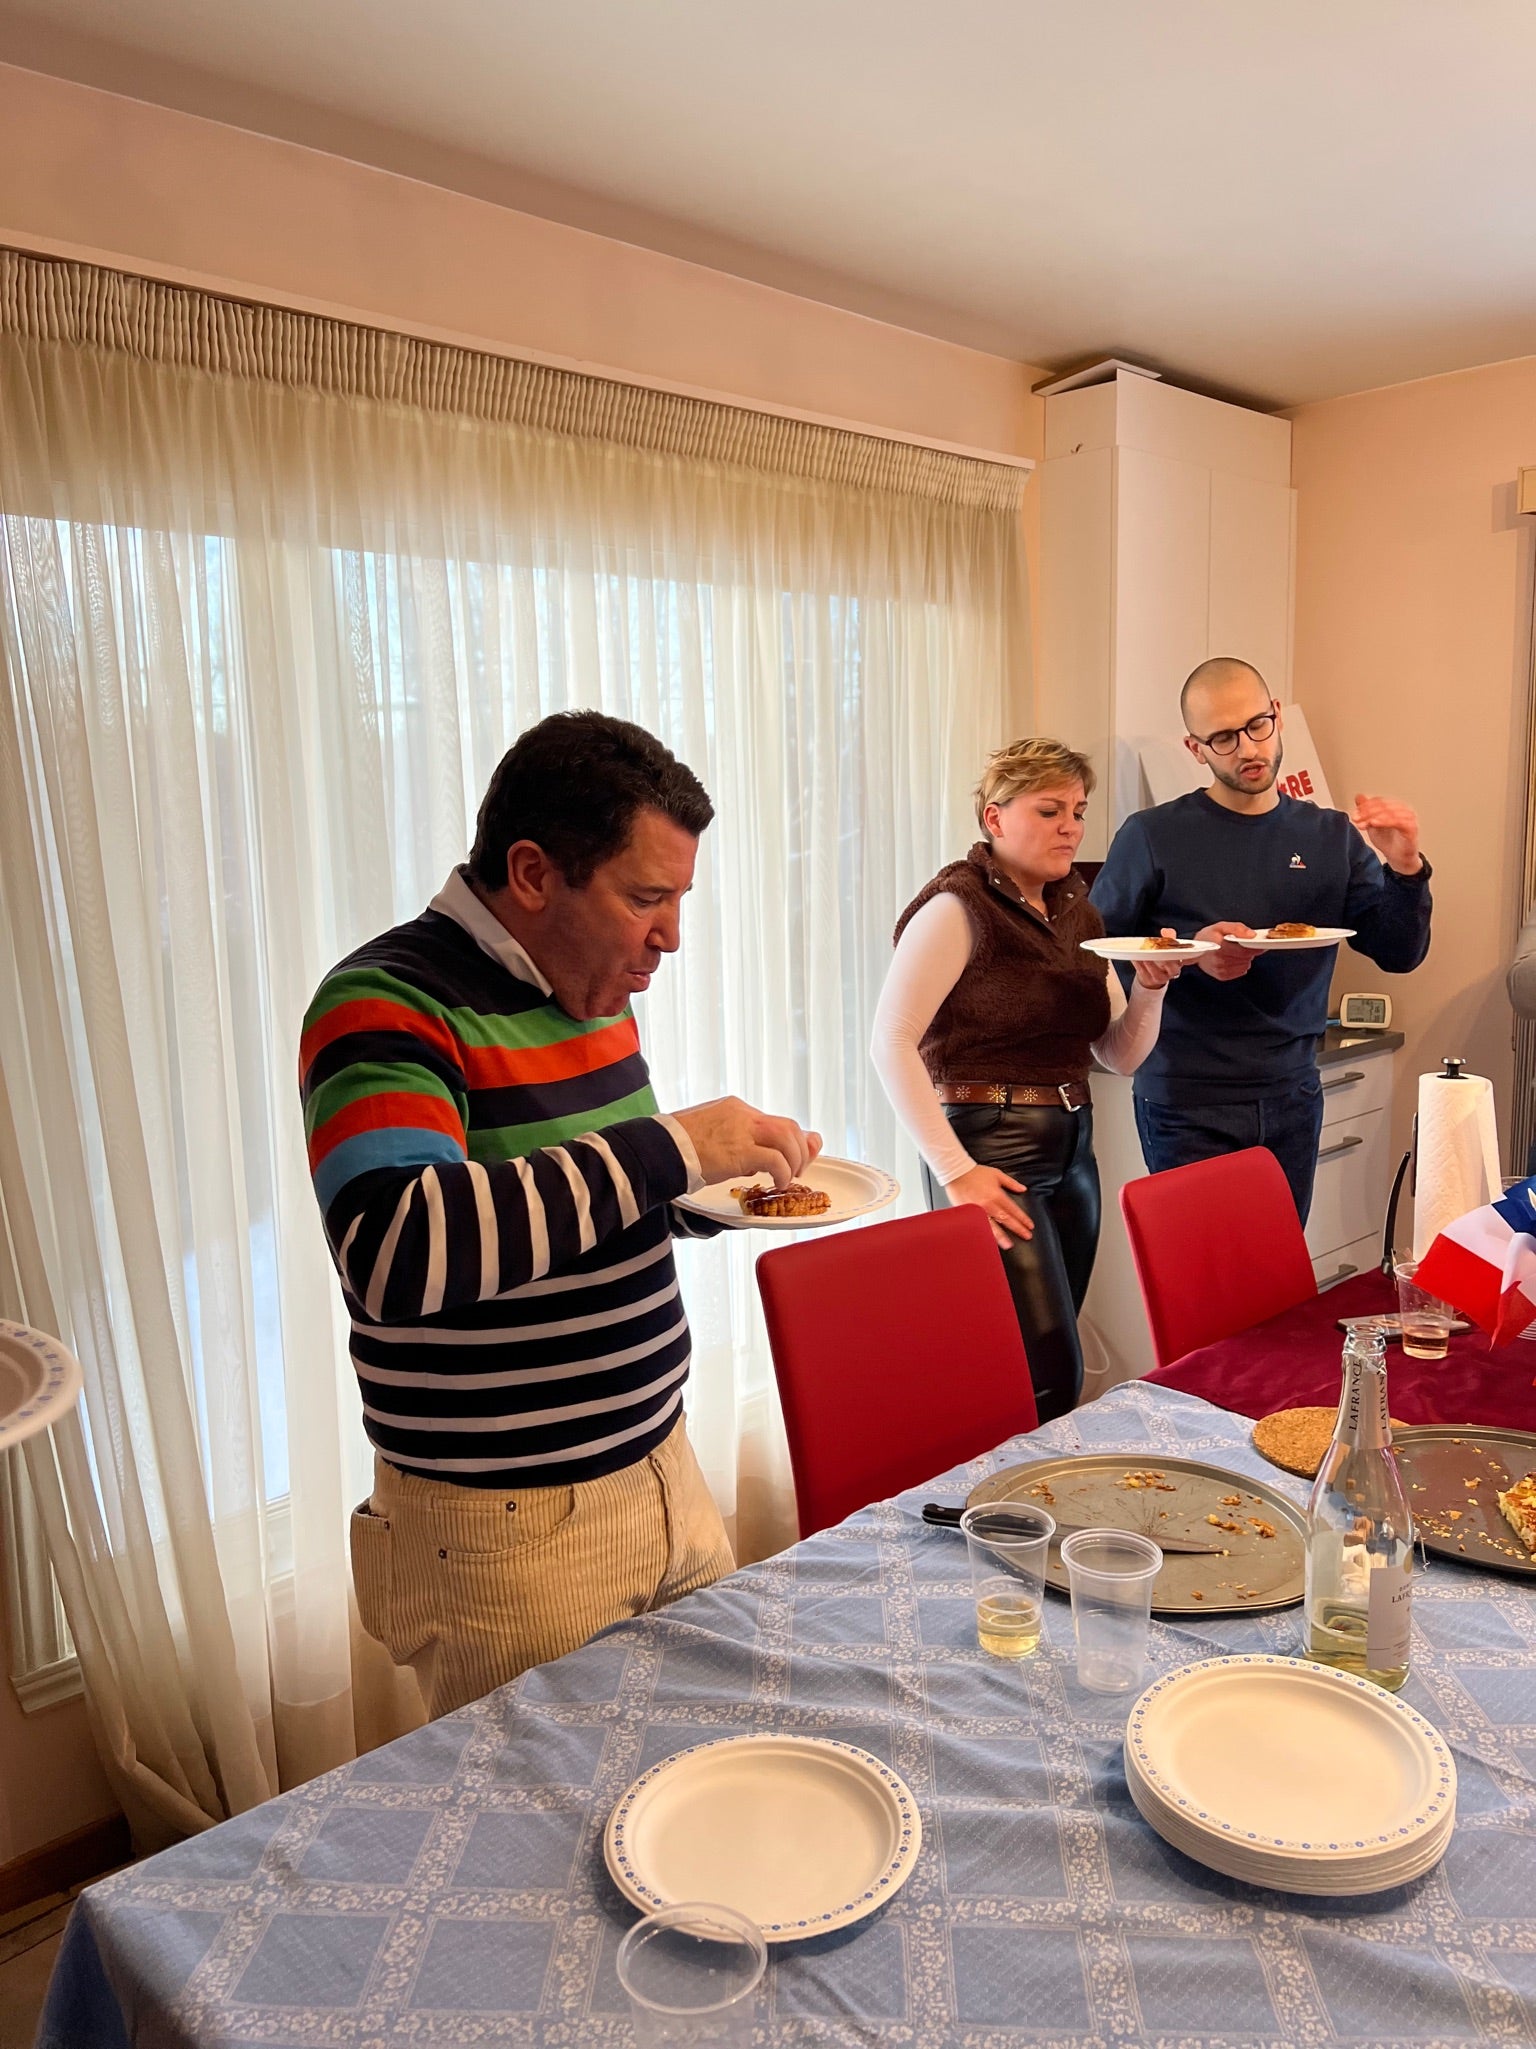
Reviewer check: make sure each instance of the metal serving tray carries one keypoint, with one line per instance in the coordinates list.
(1451, 1518)
(1257, 1573)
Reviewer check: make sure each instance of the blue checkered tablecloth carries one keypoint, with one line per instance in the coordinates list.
(450, 1888)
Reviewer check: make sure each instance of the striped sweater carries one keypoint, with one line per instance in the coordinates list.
(495, 1182)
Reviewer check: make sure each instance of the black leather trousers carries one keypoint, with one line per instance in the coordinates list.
(1051, 1152)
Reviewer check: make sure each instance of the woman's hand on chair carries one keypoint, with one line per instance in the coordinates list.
(1156, 973)
(988, 1188)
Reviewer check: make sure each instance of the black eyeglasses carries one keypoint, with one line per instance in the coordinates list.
(1226, 741)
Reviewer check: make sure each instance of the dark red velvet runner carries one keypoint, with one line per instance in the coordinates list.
(1292, 1361)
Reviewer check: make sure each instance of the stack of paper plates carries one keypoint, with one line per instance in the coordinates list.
(1291, 1775)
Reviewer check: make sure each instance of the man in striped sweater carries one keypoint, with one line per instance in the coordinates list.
(497, 1183)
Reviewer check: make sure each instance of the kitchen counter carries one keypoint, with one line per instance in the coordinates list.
(1337, 1044)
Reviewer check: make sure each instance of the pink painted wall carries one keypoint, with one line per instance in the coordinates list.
(1413, 606)
(115, 180)
(50, 1781)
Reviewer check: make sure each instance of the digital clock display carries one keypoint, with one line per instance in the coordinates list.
(1365, 1010)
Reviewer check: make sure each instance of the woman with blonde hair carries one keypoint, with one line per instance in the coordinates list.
(989, 1019)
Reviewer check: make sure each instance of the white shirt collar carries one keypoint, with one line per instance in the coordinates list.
(458, 901)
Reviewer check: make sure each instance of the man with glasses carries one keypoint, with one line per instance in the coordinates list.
(1235, 1064)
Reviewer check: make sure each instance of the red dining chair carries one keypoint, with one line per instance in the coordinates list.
(1218, 1248)
(897, 1352)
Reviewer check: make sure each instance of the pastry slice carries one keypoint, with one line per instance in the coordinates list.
(1517, 1505)
(794, 1201)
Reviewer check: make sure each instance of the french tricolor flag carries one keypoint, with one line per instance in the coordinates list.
(1485, 1264)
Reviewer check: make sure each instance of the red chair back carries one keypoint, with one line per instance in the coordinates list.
(898, 1354)
(1218, 1248)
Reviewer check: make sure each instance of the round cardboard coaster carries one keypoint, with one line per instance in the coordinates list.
(1296, 1439)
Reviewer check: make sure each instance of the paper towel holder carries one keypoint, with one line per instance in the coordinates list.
(1389, 1231)
(1453, 1067)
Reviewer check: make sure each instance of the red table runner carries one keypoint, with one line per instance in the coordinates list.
(1292, 1361)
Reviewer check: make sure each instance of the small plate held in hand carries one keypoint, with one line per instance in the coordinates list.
(39, 1382)
(1138, 949)
(1325, 935)
(855, 1189)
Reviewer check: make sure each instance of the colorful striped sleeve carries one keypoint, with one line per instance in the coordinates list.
(414, 1224)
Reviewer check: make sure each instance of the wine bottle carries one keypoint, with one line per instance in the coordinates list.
(1359, 1531)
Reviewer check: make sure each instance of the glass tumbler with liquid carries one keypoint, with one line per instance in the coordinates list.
(1426, 1320)
(1359, 1532)
(1008, 1542)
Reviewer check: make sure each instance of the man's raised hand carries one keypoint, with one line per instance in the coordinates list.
(1392, 829)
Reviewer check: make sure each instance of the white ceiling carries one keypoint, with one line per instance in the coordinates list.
(1280, 199)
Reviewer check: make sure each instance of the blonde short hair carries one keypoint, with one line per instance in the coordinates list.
(1030, 765)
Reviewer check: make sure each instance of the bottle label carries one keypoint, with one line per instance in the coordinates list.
(1364, 1421)
(1389, 1617)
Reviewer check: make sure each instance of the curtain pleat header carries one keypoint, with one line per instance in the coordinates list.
(86, 306)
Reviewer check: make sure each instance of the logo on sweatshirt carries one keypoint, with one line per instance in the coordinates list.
(1297, 861)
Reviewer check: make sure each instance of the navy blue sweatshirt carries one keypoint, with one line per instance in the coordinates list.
(1193, 863)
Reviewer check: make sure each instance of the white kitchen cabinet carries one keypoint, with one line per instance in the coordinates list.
(1355, 1160)
(1162, 608)
(1166, 536)
(1349, 1191)
(1345, 1261)
(1357, 1083)
(1253, 521)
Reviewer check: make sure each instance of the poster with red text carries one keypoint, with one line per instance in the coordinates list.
(1169, 769)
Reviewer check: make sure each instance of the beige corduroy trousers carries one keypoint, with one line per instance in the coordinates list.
(470, 1587)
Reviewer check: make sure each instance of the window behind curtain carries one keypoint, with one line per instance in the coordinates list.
(263, 644)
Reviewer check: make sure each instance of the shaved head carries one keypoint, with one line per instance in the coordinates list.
(1222, 701)
(1213, 675)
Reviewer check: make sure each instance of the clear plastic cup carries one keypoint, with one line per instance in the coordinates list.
(1008, 1542)
(1426, 1320)
(1110, 1573)
(691, 1973)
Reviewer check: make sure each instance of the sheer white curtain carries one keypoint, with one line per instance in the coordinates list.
(264, 640)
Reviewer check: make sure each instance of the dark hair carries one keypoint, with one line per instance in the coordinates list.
(572, 784)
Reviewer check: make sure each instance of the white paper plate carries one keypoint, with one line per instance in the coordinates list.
(1289, 1766)
(854, 1188)
(800, 1833)
(1325, 935)
(39, 1382)
(1137, 949)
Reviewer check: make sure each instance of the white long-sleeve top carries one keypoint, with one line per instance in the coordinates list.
(931, 955)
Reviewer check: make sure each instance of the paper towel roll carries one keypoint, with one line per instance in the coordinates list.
(1458, 1157)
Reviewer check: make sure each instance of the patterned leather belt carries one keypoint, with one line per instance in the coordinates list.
(1064, 1095)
